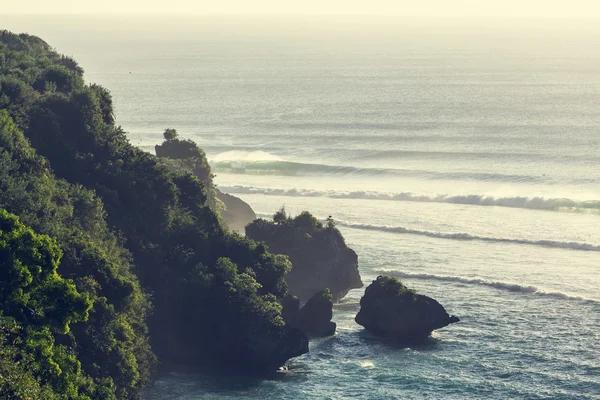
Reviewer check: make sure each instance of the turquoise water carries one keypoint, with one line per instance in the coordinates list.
(463, 160)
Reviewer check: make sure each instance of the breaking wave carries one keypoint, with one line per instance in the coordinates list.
(511, 287)
(536, 203)
(289, 168)
(467, 236)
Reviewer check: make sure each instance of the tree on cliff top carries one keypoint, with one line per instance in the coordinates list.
(170, 134)
(280, 216)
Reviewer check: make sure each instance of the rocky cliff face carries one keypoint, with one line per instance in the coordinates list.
(320, 257)
(390, 309)
(314, 318)
(237, 213)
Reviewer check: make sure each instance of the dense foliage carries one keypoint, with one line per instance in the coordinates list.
(36, 303)
(184, 155)
(127, 224)
(93, 258)
(302, 229)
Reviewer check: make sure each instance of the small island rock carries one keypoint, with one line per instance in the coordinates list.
(390, 309)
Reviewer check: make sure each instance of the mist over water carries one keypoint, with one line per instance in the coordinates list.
(462, 158)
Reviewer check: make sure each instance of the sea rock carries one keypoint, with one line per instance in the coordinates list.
(319, 255)
(314, 318)
(237, 213)
(269, 355)
(390, 309)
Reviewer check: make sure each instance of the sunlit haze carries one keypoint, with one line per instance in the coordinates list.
(433, 8)
(300, 199)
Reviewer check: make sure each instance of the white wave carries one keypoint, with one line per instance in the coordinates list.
(507, 286)
(245, 156)
(366, 364)
(536, 203)
(467, 236)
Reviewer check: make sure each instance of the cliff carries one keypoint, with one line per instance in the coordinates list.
(185, 155)
(390, 309)
(237, 213)
(140, 240)
(319, 255)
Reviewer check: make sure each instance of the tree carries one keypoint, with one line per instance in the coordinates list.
(170, 134)
(330, 222)
(280, 216)
(32, 292)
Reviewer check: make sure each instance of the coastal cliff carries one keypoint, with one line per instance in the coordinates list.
(149, 270)
(236, 213)
(319, 255)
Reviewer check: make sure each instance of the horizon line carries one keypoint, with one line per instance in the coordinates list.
(348, 14)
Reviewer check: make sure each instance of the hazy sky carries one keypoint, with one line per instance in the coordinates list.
(434, 8)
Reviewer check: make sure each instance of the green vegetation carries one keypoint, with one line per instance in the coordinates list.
(36, 303)
(183, 156)
(391, 286)
(93, 258)
(147, 268)
(304, 225)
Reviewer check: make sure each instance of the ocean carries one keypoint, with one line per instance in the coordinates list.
(462, 157)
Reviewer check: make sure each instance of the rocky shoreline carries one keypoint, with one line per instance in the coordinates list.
(324, 269)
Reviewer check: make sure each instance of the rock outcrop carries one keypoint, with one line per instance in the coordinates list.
(390, 309)
(237, 213)
(314, 318)
(319, 255)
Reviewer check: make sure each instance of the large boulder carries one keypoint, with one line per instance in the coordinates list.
(314, 318)
(319, 255)
(390, 309)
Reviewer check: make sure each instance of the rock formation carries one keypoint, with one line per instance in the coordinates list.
(318, 253)
(390, 309)
(314, 318)
(237, 213)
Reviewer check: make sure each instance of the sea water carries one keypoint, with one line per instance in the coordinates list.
(462, 158)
